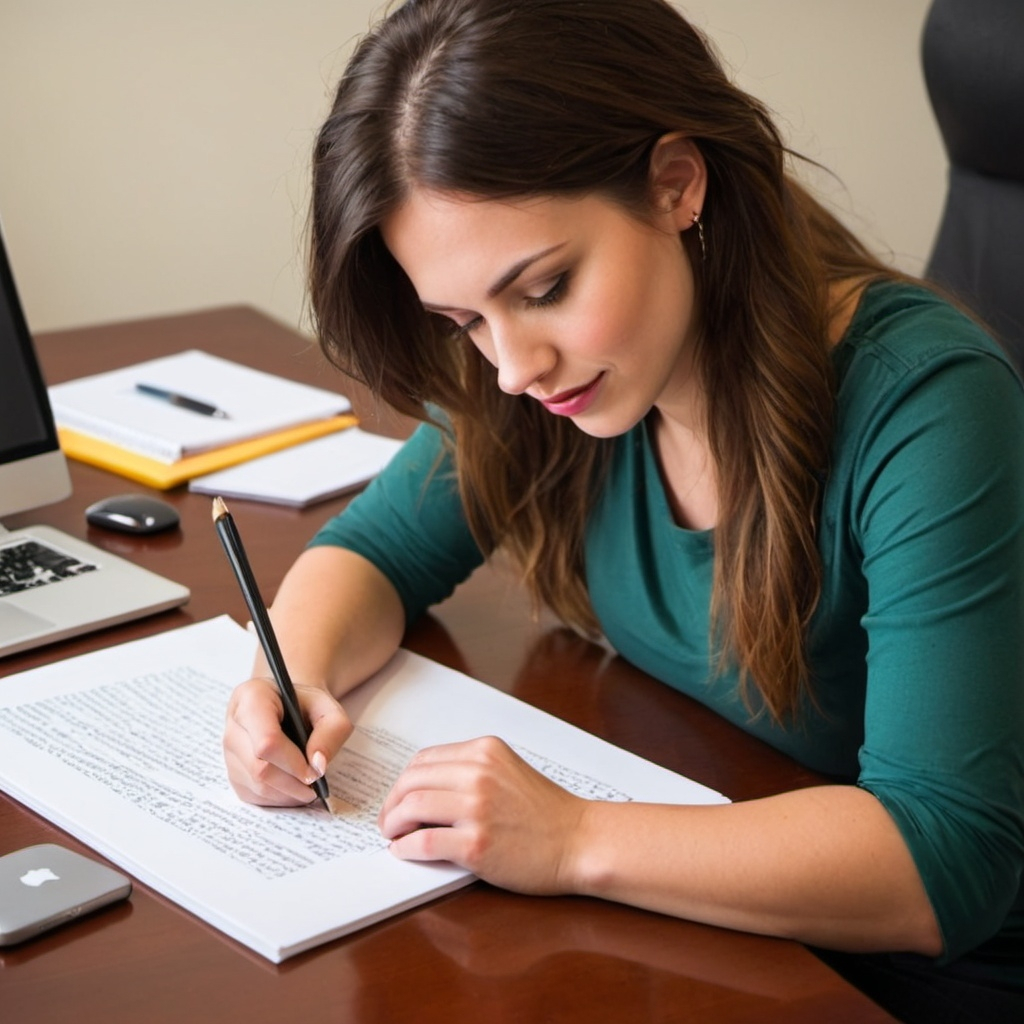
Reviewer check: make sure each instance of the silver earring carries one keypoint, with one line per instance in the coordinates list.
(700, 235)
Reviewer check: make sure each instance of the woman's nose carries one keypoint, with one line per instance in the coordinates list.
(522, 358)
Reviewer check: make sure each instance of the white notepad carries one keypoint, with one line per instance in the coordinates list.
(122, 748)
(306, 473)
(110, 406)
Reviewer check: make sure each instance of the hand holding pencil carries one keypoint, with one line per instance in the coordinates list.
(294, 724)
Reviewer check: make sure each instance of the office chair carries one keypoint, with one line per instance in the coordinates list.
(973, 57)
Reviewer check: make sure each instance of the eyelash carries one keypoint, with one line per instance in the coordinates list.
(460, 331)
(552, 296)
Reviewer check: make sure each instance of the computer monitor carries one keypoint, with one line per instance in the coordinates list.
(33, 470)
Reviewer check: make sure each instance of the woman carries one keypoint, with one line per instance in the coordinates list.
(702, 420)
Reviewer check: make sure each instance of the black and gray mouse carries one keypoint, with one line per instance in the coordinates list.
(132, 513)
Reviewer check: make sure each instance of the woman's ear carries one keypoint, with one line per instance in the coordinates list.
(678, 179)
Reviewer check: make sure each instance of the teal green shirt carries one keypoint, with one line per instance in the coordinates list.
(917, 646)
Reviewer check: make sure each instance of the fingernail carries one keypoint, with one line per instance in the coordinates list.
(319, 763)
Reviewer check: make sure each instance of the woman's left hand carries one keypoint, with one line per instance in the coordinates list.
(481, 806)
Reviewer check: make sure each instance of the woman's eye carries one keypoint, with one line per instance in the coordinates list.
(451, 327)
(461, 330)
(552, 295)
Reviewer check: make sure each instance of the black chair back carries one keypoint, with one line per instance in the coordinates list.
(973, 58)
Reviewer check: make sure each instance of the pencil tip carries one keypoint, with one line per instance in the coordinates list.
(219, 508)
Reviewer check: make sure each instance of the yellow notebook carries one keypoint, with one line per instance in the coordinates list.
(164, 475)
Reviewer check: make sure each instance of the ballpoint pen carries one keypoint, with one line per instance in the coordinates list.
(182, 401)
(294, 725)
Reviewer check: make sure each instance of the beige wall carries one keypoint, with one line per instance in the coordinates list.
(153, 154)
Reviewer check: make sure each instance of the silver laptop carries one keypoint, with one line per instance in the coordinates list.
(52, 585)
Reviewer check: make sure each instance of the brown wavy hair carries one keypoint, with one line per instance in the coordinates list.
(516, 98)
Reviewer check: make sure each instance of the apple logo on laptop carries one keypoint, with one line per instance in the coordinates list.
(37, 876)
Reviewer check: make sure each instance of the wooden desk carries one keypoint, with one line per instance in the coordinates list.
(478, 955)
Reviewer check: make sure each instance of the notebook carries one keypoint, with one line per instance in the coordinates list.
(181, 405)
(52, 585)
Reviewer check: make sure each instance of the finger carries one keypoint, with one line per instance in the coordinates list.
(434, 844)
(329, 725)
(470, 766)
(483, 750)
(264, 784)
(255, 701)
(425, 808)
(253, 731)
(422, 775)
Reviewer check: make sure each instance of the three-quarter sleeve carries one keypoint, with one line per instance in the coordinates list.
(940, 524)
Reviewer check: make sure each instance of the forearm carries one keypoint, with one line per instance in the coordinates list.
(337, 619)
(825, 865)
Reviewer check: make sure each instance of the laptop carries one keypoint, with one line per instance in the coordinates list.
(52, 585)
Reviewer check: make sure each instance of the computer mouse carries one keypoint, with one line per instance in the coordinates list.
(132, 513)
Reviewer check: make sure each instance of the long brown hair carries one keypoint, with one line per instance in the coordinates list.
(511, 98)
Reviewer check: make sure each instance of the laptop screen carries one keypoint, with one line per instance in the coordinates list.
(92, 587)
(32, 468)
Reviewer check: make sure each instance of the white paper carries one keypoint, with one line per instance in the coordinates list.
(108, 405)
(305, 473)
(122, 748)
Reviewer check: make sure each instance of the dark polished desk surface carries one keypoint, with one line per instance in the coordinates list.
(478, 955)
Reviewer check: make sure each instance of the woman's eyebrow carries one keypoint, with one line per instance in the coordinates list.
(507, 278)
(517, 268)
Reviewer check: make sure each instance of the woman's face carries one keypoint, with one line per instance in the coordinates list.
(578, 304)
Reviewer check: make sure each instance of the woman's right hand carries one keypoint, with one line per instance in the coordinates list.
(340, 639)
(264, 766)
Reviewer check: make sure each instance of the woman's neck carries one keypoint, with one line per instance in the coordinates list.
(680, 443)
(687, 472)
(843, 298)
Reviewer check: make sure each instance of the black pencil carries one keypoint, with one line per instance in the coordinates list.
(294, 725)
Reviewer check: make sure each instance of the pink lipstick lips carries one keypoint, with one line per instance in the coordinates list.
(573, 401)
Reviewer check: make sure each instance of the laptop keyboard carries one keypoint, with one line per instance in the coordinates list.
(27, 563)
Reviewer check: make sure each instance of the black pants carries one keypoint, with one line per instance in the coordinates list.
(915, 992)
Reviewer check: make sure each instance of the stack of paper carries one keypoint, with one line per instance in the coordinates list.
(121, 748)
(168, 420)
(305, 474)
